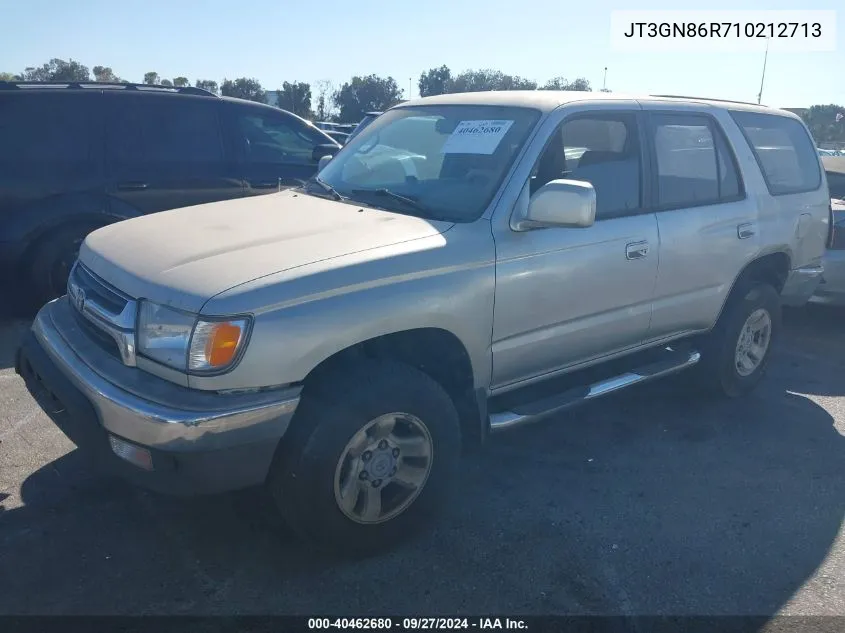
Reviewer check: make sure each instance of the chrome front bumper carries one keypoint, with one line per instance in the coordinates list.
(149, 411)
(801, 284)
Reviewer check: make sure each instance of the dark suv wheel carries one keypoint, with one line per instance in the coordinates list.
(53, 259)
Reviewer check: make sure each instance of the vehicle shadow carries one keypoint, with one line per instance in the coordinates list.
(812, 350)
(11, 335)
(647, 503)
(642, 504)
(16, 314)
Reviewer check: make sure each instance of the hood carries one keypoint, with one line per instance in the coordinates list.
(186, 256)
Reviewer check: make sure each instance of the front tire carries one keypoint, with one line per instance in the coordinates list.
(736, 355)
(372, 453)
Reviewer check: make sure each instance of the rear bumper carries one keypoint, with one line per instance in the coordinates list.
(831, 290)
(801, 284)
(216, 443)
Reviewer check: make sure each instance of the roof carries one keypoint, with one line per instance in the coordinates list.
(548, 100)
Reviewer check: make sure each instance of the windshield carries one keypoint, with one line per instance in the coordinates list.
(361, 125)
(439, 162)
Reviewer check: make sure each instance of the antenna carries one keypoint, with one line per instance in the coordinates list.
(604, 83)
(763, 77)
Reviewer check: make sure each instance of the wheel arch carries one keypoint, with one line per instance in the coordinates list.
(435, 351)
(771, 268)
(48, 217)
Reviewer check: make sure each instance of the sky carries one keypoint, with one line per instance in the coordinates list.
(276, 41)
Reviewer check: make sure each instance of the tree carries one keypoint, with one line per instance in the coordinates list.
(9, 77)
(364, 94)
(560, 83)
(166, 82)
(320, 112)
(105, 74)
(436, 81)
(481, 80)
(296, 97)
(181, 82)
(57, 70)
(151, 78)
(821, 119)
(207, 84)
(244, 88)
(325, 103)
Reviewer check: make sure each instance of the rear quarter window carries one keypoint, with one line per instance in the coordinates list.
(784, 150)
(47, 128)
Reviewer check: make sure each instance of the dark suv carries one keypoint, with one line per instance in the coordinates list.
(74, 157)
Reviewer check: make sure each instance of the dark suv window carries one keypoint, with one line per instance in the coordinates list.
(47, 128)
(603, 150)
(694, 165)
(161, 130)
(275, 138)
(784, 151)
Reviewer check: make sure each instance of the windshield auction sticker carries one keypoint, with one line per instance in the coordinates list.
(476, 137)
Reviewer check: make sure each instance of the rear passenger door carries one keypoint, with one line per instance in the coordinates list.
(708, 228)
(166, 151)
(51, 162)
(275, 150)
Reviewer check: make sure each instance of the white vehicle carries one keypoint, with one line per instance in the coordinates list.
(467, 264)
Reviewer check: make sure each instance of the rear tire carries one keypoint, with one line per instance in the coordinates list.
(52, 260)
(736, 354)
(342, 481)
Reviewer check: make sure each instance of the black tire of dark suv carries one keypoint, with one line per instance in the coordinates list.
(52, 259)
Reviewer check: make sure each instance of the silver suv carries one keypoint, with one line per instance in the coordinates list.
(467, 264)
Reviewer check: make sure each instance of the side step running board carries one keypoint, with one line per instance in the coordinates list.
(533, 411)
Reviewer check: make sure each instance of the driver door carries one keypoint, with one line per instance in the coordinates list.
(275, 149)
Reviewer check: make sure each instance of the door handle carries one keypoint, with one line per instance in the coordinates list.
(132, 186)
(636, 250)
(265, 184)
(744, 231)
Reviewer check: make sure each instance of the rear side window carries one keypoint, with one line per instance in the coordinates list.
(694, 164)
(47, 128)
(160, 130)
(785, 152)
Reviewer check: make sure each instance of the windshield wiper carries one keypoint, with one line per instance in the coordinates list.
(387, 193)
(328, 188)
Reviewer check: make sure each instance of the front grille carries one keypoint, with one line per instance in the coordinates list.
(98, 290)
(98, 336)
(104, 314)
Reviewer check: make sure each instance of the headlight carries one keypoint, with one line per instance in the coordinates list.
(164, 334)
(185, 342)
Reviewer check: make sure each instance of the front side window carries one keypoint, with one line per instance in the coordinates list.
(277, 139)
(694, 166)
(603, 150)
(440, 162)
(785, 152)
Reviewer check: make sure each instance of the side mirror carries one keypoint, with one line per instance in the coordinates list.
(324, 160)
(324, 149)
(561, 203)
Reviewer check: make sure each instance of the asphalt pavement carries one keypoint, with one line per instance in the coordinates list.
(650, 502)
